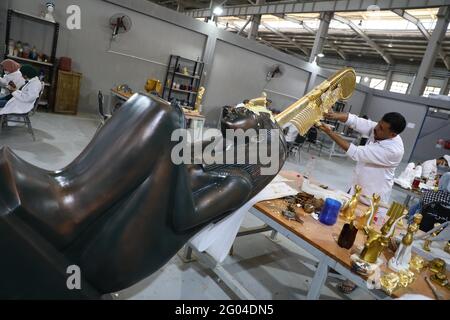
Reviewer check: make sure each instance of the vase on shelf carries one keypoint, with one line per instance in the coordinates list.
(11, 47)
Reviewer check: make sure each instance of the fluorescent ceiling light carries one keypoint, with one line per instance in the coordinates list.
(218, 11)
(321, 55)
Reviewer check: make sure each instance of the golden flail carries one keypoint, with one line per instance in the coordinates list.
(310, 109)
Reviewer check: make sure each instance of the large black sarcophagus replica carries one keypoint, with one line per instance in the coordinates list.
(123, 207)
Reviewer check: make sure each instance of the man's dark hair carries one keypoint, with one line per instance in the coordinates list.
(396, 121)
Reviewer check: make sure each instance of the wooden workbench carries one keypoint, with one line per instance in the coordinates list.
(324, 239)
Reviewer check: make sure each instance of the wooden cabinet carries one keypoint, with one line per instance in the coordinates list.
(67, 92)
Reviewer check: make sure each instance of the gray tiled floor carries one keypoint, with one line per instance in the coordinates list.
(268, 270)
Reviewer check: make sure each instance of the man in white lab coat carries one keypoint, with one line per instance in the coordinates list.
(12, 77)
(378, 159)
(430, 167)
(23, 100)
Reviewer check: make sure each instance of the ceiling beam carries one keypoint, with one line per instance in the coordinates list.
(442, 54)
(245, 25)
(306, 51)
(311, 6)
(387, 57)
(313, 32)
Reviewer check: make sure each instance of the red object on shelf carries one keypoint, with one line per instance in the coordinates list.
(447, 144)
(65, 64)
(416, 183)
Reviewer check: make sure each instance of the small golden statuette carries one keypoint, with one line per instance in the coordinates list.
(367, 218)
(378, 241)
(427, 242)
(406, 278)
(447, 247)
(348, 212)
(416, 264)
(441, 279)
(389, 282)
(437, 265)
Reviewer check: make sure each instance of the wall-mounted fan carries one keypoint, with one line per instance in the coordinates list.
(274, 71)
(120, 23)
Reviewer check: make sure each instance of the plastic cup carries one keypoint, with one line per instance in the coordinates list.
(330, 211)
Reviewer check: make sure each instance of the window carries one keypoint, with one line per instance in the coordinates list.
(377, 83)
(358, 79)
(430, 89)
(399, 87)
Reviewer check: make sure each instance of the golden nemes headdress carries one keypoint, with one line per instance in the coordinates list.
(309, 110)
(258, 105)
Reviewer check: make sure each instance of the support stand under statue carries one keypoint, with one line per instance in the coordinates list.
(400, 262)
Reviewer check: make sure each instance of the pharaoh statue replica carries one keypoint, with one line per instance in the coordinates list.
(400, 261)
(123, 208)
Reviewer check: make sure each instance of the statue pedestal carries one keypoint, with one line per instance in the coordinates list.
(363, 267)
(395, 266)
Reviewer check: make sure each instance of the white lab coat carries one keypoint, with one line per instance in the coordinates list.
(15, 77)
(23, 100)
(292, 132)
(429, 169)
(376, 161)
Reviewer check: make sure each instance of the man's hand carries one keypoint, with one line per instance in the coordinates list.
(12, 86)
(339, 116)
(325, 128)
(331, 115)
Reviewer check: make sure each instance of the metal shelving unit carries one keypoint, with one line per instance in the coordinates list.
(50, 67)
(189, 80)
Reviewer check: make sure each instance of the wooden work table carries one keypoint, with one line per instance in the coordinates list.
(324, 239)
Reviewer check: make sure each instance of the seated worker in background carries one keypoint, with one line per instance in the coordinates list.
(378, 159)
(23, 100)
(12, 78)
(290, 132)
(442, 196)
(430, 167)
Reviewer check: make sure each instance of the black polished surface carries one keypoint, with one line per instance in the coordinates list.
(121, 209)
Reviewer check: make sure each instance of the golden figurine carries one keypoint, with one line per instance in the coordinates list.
(416, 264)
(389, 282)
(310, 109)
(441, 279)
(447, 247)
(153, 85)
(437, 265)
(406, 277)
(400, 261)
(366, 219)
(198, 101)
(348, 212)
(378, 241)
(427, 242)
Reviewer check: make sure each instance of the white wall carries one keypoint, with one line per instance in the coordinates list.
(149, 39)
(413, 113)
(239, 74)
